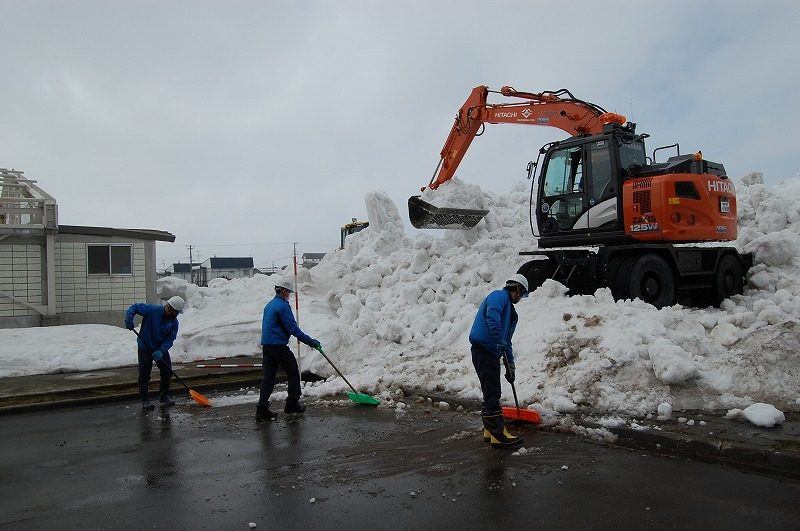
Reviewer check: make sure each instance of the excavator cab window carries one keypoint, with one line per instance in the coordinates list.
(601, 172)
(563, 194)
(564, 172)
(632, 155)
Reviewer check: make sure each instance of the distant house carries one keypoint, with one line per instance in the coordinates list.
(182, 271)
(54, 274)
(228, 268)
(309, 260)
(270, 270)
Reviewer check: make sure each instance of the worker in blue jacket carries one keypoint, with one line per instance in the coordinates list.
(156, 336)
(490, 337)
(277, 326)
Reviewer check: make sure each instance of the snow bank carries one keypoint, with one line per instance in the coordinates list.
(394, 310)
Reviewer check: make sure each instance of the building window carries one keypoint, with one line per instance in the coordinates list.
(109, 259)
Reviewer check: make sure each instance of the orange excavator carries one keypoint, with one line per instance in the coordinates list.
(605, 214)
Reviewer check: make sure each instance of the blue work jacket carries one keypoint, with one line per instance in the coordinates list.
(157, 331)
(278, 324)
(495, 323)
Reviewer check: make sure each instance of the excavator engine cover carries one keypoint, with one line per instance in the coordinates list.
(424, 215)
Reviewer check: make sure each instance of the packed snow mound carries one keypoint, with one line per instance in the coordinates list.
(69, 348)
(400, 310)
(394, 310)
(760, 414)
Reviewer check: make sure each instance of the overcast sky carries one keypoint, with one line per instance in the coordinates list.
(241, 127)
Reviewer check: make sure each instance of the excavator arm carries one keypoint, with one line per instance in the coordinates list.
(550, 108)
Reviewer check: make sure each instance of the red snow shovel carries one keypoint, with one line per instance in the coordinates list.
(197, 397)
(524, 415)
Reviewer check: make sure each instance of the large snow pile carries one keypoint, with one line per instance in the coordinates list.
(394, 310)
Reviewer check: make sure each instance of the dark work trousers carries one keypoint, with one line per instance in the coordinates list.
(146, 366)
(488, 368)
(274, 356)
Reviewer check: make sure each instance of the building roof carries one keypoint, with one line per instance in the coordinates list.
(183, 268)
(313, 256)
(139, 234)
(229, 263)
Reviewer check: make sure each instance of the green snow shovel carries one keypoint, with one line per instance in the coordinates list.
(355, 396)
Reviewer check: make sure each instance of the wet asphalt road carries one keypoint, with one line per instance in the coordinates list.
(114, 467)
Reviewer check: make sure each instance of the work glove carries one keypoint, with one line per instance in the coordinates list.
(316, 344)
(501, 351)
(158, 355)
(510, 372)
(129, 324)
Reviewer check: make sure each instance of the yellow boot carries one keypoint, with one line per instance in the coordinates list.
(499, 437)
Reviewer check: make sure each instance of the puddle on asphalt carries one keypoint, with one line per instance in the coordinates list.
(89, 375)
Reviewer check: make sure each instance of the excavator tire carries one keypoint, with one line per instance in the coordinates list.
(647, 277)
(537, 271)
(728, 280)
(617, 276)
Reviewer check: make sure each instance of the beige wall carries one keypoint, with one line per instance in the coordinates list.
(76, 291)
(79, 298)
(20, 276)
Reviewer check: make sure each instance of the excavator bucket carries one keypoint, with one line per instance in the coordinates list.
(424, 215)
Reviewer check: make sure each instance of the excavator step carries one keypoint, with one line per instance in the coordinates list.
(424, 215)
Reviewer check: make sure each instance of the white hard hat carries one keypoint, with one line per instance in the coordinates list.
(285, 283)
(177, 303)
(518, 279)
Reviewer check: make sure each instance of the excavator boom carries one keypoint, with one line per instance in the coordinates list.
(551, 109)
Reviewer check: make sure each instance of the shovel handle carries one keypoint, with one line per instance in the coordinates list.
(336, 369)
(513, 387)
(159, 362)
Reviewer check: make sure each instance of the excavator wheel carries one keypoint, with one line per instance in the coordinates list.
(537, 271)
(728, 280)
(647, 277)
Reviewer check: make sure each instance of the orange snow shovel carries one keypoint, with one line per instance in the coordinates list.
(524, 415)
(197, 397)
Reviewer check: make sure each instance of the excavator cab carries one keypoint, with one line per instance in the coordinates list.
(351, 228)
(424, 215)
(578, 188)
(578, 195)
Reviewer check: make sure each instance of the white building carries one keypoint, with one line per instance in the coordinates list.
(61, 274)
(182, 270)
(223, 267)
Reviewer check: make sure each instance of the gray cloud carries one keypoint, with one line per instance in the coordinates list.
(262, 123)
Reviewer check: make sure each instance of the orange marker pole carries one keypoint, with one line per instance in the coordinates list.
(296, 301)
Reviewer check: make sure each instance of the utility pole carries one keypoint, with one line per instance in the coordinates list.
(191, 265)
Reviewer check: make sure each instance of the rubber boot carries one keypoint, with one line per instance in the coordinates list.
(147, 406)
(263, 413)
(166, 400)
(498, 434)
(294, 407)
